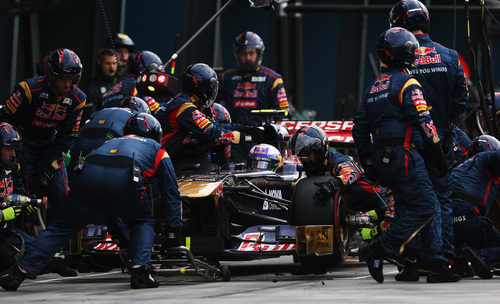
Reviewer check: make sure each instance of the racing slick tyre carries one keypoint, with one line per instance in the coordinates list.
(10, 254)
(305, 210)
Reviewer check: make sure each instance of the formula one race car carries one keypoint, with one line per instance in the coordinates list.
(247, 215)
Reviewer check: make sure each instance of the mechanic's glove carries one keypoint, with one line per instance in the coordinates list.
(440, 159)
(252, 134)
(172, 238)
(30, 209)
(10, 213)
(374, 215)
(370, 233)
(328, 189)
(369, 169)
(42, 180)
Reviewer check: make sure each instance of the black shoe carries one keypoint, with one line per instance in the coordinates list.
(478, 265)
(442, 274)
(462, 268)
(407, 274)
(62, 268)
(11, 280)
(141, 277)
(374, 262)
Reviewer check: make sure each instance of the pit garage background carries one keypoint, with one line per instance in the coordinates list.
(325, 49)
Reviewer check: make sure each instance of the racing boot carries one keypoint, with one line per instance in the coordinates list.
(141, 277)
(373, 254)
(461, 266)
(478, 265)
(11, 280)
(62, 268)
(408, 273)
(439, 272)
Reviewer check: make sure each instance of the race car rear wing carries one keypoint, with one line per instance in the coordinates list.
(339, 132)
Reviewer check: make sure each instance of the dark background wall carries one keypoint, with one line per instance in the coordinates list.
(334, 54)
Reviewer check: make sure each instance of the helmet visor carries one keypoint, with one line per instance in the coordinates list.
(305, 143)
(261, 164)
(214, 84)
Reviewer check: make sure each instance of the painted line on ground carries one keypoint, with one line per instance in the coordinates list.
(369, 276)
(77, 277)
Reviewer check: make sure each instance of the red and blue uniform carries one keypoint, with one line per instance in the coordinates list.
(474, 185)
(389, 127)
(181, 121)
(243, 92)
(105, 124)
(443, 81)
(10, 182)
(361, 193)
(48, 125)
(106, 184)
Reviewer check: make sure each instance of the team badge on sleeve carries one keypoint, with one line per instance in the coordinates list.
(418, 100)
(200, 119)
(282, 100)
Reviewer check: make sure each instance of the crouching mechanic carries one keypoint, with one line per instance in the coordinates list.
(10, 142)
(115, 179)
(474, 184)
(310, 144)
(104, 125)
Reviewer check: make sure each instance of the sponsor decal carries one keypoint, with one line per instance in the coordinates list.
(258, 78)
(426, 55)
(236, 77)
(44, 95)
(251, 244)
(67, 101)
(245, 104)
(418, 100)
(245, 90)
(200, 119)
(269, 205)
(282, 100)
(337, 131)
(381, 83)
(44, 124)
(430, 131)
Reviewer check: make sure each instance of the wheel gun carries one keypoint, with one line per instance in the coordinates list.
(19, 200)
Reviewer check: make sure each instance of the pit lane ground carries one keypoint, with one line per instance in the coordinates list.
(261, 281)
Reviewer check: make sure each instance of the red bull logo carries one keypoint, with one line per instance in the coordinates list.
(383, 78)
(245, 86)
(382, 83)
(423, 50)
(423, 56)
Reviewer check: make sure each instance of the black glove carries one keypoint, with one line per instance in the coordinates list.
(328, 189)
(172, 238)
(370, 171)
(42, 180)
(251, 134)
(440, 159)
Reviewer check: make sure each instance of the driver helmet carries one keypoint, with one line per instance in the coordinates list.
(264, 157)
